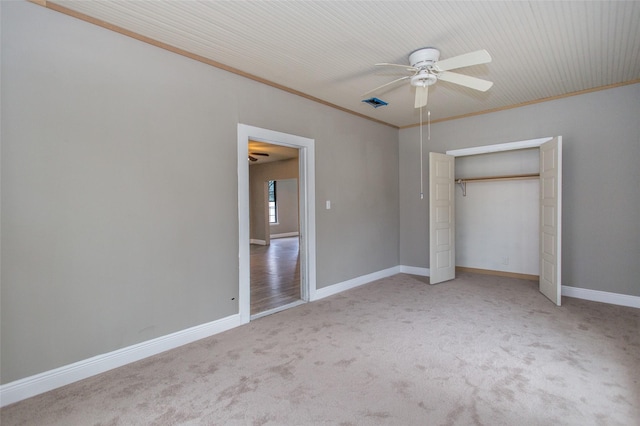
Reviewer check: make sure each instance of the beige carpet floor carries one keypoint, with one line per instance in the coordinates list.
(478, 350)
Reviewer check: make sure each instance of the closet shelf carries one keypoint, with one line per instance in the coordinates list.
(463, 181)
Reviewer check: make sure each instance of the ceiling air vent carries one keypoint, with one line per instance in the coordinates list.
(375, 102)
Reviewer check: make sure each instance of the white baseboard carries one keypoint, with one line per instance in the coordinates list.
(352, 283)
(601, 296)
(285, 235)
(568, 291)
(49, 380)
(414, 270)
(259, 242)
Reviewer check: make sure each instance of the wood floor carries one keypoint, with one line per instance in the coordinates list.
(275, 274)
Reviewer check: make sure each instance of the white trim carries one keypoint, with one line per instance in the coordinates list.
(285, 235)
(244, 292)
(414, 270)
(259, 242)
(52, 379)
(306, 147)
(601, 296)
(352, 283)
(567, 291)
(509, 146)
(307, 218)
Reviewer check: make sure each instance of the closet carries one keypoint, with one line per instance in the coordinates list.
(530, 177)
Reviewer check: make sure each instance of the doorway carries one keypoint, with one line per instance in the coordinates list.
(274, 228)
(306, 203)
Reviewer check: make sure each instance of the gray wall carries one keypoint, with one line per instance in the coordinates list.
(601, 200)
(119, 189)
(258, 175)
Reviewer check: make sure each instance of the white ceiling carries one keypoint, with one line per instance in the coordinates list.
(327, 49)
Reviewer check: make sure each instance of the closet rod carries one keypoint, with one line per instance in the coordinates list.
(507, 177)
(463, 181)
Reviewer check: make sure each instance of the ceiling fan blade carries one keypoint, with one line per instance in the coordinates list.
(422, 94)
(386, 84)
(466, 60)
(406, 67)
(264, 154)
(251, 158)
(465, 80)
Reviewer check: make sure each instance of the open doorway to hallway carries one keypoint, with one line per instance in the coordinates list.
(274, 226)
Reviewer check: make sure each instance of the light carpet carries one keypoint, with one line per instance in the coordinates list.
(479, 350)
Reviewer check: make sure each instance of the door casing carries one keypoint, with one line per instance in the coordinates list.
(306, 199)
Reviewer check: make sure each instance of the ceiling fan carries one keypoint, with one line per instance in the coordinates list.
(425, 69)
(261, 154)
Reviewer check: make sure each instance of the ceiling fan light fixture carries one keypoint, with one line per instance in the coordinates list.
(423, 79)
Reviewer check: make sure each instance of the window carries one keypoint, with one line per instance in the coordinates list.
(273, 207)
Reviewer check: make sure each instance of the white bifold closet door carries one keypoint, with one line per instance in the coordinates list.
(442, 255)
(442, 240)
(551, 219)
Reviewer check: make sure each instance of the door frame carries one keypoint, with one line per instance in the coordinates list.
(509, 146)
(307, 215)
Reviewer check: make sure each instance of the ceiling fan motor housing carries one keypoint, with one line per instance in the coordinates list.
(425, 57)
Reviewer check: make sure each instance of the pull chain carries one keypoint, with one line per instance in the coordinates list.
(421, 148)
(421, 160)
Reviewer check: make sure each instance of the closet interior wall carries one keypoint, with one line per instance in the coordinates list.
(497, 222)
